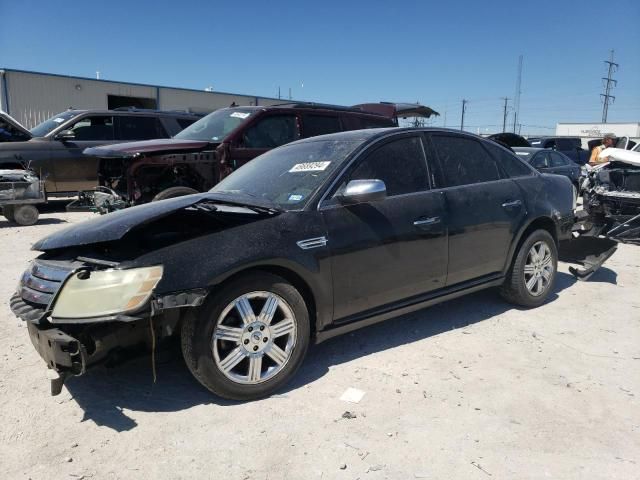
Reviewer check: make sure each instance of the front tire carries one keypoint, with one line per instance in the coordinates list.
(249, 339)
(7, 211)
(532, 275)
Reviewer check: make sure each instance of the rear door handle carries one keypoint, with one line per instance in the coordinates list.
(512, 204)
(425, 222)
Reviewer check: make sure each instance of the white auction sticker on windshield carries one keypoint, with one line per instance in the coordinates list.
(58, 120)
(522, 153)
(239, 115)
(310, 167)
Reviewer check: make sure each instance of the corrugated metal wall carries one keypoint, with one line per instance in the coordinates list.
(35, 97)
(201, 102)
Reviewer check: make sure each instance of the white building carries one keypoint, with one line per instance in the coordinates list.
(32, 97)
(591, 131)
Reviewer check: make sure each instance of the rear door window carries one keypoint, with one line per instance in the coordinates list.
(463, 161)
(314, 125)
(271, 132)
(510, 163)
(93, 128)
(139, 128)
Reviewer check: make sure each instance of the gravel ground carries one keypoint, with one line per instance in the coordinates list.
(469, 389)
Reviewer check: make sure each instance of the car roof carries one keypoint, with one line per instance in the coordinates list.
(553, 137)
(124, 111)
(371, 133)
(529, 149)
(312, 108)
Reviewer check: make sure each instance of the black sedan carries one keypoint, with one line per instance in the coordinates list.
(308, 241)
(550, 161)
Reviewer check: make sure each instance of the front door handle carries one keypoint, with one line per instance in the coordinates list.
(425, 222)
(512, 204)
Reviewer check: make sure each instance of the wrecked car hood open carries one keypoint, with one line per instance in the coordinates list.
(131, 149)
(9, 127)
(629, 157)
(116, 225)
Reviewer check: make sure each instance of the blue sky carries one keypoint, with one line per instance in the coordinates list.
(349, 52)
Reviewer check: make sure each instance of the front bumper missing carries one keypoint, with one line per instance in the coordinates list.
(61, 352)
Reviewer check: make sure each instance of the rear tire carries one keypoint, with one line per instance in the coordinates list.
(533, 272)
(236, 348)
(173, 192)
(26, 215)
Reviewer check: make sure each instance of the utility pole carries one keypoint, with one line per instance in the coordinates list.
(516, 99)
(279, 92)
(464, 108)
(504, 116)
(609, 84)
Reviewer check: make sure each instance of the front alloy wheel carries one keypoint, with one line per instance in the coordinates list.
(254, 337)
(249, 338)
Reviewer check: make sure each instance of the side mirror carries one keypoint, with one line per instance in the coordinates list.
(360, 191)
(65, 135)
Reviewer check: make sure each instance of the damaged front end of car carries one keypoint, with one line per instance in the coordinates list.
(611, 211)
(104, 291)
(612, 199)
(140, 172)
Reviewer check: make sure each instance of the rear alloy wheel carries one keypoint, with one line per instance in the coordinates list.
(532, 275)
(538, 269)
(249, 339)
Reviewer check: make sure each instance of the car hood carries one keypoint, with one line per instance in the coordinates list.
(131, 149)
(5, 117)
(114, 226)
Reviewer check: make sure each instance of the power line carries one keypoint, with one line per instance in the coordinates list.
(609, 84)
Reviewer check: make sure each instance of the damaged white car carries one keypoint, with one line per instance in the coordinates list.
(611, 210)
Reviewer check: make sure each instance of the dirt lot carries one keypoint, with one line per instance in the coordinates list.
(470, 389)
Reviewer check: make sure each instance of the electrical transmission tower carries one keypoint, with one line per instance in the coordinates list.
(516, 98)
(609, 83)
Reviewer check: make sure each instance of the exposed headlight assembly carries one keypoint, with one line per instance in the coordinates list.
(102, 293)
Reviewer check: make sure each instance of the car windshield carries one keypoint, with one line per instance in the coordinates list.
(216, 126)
(288, 176)
(54, 122)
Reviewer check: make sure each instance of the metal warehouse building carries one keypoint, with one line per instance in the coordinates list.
(32, 97)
